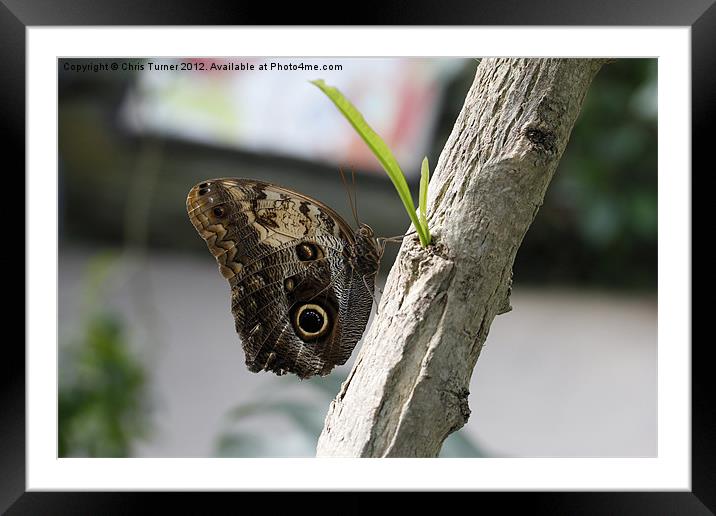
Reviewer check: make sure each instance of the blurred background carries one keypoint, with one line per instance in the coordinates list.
(149, 362)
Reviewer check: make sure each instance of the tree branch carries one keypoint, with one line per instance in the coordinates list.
(409, 386)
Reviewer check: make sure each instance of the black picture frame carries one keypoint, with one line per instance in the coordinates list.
(17, 15)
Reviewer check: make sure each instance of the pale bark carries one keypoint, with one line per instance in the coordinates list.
(408, 389)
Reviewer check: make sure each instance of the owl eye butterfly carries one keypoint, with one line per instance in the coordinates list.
(301, 278)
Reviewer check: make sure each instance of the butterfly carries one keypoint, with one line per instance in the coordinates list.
(301, 278)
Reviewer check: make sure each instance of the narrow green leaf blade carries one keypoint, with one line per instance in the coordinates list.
(379, 149)
(423, 196)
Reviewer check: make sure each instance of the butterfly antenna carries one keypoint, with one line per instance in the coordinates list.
(355, 196)
(350, 199)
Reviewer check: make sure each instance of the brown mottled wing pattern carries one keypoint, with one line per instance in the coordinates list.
(299, 303)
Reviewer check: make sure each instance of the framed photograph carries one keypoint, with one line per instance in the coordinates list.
(465, 250)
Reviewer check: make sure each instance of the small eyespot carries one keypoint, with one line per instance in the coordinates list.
(218, 211)
(203, 191)
(289, 284)
(307, 251)
(203, 185)
(311, 322)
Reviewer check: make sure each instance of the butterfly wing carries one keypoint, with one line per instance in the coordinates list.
(298, 303)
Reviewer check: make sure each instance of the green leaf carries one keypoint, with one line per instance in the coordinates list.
(423, 195)
(380, 150)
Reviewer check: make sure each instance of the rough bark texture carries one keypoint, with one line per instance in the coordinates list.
(408, 389)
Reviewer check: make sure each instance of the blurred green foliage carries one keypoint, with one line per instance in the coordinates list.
(102, 401)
